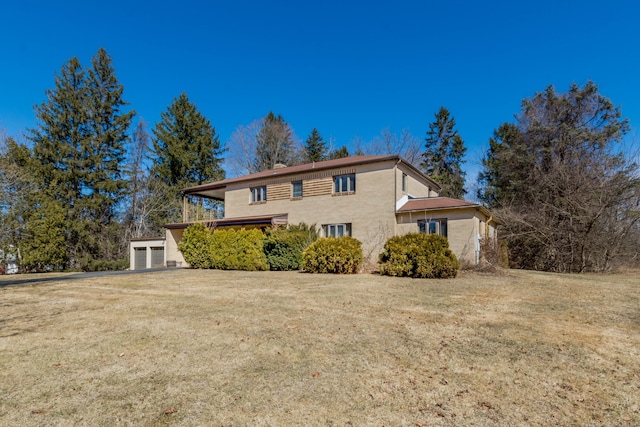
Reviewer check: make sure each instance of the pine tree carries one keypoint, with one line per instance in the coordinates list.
(44, 247)
(186, 147)
(78, 148)
(186, 151)
(339, 153)
(443, 156)
(505, 167)
(275, 144)
(109, 137)
(315, 148)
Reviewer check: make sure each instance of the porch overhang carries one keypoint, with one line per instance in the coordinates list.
(208, 191)
(259, 220)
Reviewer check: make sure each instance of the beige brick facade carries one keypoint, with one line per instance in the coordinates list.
(382, 185)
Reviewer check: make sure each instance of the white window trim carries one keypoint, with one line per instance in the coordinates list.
(438, 223)
(333, 230)
(259, 194)
(350, 181)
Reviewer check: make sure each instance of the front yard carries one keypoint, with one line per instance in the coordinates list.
(192, 347)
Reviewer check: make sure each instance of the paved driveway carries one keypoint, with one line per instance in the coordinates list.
(23, 279)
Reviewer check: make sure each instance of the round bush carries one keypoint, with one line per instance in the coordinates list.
(342, 255)
(420, 256)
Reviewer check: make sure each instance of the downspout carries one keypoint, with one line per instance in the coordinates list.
(395, 197)
(486, 230)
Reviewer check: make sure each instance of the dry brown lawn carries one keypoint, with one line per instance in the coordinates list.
(187, 348)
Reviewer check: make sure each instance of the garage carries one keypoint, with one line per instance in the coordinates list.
(146, 253)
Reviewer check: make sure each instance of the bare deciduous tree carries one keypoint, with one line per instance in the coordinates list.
(405, 145)
(242, 148)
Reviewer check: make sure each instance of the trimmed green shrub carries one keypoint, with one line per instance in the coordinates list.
(342, 255)
(419, 255)
(237, 250)
(283, 246)
(195, 246)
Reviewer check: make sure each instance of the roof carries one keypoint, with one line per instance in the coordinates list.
(237, 221)
(429, 203)
(441, 203)
(209, 190)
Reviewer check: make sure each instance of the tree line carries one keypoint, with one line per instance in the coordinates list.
(88, 179)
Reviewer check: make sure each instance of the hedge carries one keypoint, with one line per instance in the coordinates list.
(237, 250)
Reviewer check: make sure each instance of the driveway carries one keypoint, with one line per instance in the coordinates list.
(23, 279)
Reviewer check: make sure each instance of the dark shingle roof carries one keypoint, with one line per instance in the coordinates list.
(435, 203)
(290, 170)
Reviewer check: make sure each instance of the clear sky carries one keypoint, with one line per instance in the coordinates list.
(348, 68)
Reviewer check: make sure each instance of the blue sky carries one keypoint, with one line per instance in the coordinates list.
(348, 68)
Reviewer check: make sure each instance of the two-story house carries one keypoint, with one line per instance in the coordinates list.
(370, 198)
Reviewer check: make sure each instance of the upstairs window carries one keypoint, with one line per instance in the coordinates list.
(296, 189)
(259, 194)
(336, 230)
(404, 182)
(345, 184)
(433, 226)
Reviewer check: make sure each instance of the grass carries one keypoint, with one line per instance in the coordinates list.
(189, 347)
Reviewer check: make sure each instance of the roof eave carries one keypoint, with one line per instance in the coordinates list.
(442, 208)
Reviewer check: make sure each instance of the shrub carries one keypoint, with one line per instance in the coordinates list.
(283, 246)
(195, 246)
(418, 255)
(342, 255)
(238, 250)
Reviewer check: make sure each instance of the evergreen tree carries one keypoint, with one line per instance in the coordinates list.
(339, 153)
(505, 167)
(315, 148)
(275, 144)
(186, 152)
(62, 134)
(444, 154)
(109, 137)
(78, 149)
(186, 147)
(43, 246)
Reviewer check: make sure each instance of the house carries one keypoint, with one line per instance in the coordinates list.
(370, 198)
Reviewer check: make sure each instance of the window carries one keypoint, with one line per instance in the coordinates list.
(433, 226)
(345, 184)
(259, 194)
(404, 182)
(296, 189)
(336, 230)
